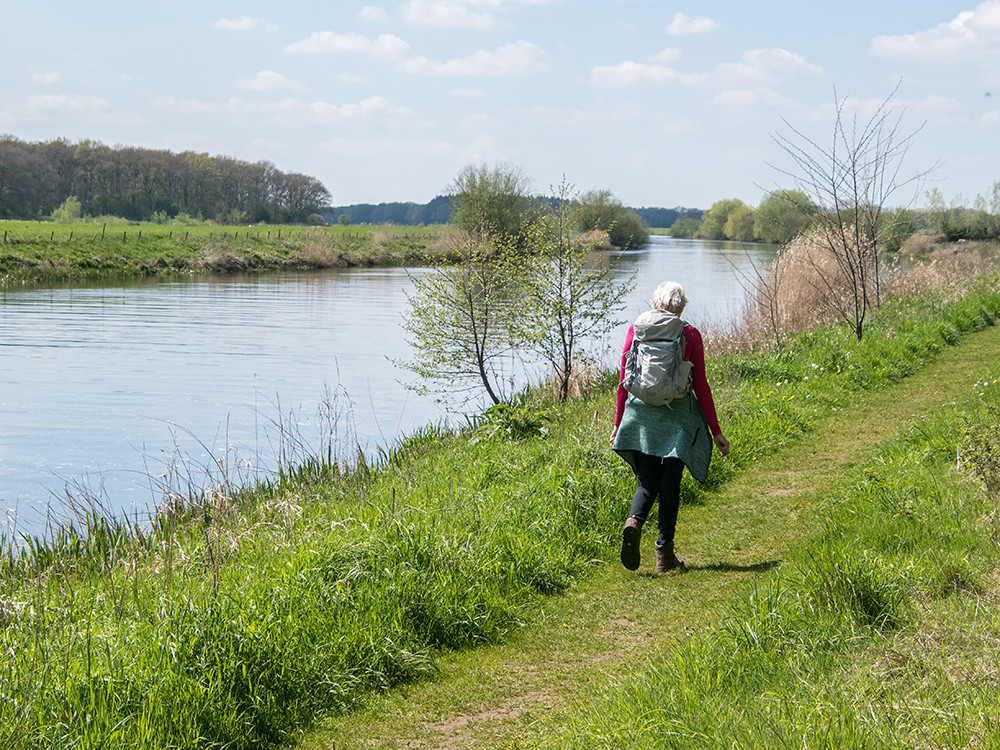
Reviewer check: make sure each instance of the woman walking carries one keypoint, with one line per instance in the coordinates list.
(659, 441)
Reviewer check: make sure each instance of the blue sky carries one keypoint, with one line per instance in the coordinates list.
(662, 103)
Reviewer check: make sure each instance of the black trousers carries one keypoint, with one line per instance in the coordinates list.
(659, 478)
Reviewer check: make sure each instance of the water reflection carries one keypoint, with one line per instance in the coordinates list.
(109, 387)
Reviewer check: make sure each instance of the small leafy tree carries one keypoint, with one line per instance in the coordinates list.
(459, 321)
(685, 227)
(601, 210)
(898, 226)
(566, 299)
(69, 211)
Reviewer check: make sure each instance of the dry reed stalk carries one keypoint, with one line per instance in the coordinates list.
(805, 286)
(584, 376)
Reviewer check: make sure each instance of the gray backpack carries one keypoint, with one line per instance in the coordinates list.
(655, 369)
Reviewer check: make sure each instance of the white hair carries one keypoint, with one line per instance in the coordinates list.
(669, 296)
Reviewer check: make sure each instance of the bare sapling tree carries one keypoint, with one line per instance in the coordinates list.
(567, 300)
(459, 323)
(849, 182)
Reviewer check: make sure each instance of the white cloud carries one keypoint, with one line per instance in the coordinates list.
(446, 14)
(520, 58)
(46, 78)
(384, 47)
(371, 106)
(244, 23)
(76, 104)
(764, 65)
(373, 13)
(754, 99)
(630, 73)
(296, 111)
(268, 80)
(991, 118)
(936, 105)
(670, 54)
(757, 66)
(468, 14)
(183, 106)
(683, 25)
(970, 34)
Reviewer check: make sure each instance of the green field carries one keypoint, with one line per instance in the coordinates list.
(46, 252)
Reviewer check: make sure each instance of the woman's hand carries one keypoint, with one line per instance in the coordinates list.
(722, 444)
(614, 434)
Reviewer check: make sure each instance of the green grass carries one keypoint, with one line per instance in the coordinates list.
(881, 630)
(46, 252)
(245, 615)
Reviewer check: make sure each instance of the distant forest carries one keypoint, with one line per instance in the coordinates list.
(438, 211)
(142, 184)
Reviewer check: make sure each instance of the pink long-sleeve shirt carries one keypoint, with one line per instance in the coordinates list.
(694, 352)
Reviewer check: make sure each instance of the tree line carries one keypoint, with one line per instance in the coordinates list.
(440, 211)
(786, 214)
(141, 184)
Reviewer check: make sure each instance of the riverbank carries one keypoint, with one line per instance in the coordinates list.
(838, 592)
(44, 252)
(244, 615)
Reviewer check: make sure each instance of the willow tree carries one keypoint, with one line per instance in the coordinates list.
(848, 184)
(492, 202)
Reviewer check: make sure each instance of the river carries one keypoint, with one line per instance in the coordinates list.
(109, 394)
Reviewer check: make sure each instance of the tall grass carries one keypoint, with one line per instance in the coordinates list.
(242, 614)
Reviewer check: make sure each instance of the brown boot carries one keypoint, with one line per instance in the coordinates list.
(666, 560)
(630, 543)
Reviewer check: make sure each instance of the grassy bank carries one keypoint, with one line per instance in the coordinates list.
(880, 629)
(37, 252)
(242, 616)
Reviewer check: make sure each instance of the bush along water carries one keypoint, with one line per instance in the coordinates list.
(241, 615)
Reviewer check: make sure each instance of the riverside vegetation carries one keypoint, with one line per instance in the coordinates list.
(243, 614)
(34, 252)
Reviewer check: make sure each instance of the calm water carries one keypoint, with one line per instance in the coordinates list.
(110, 392)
